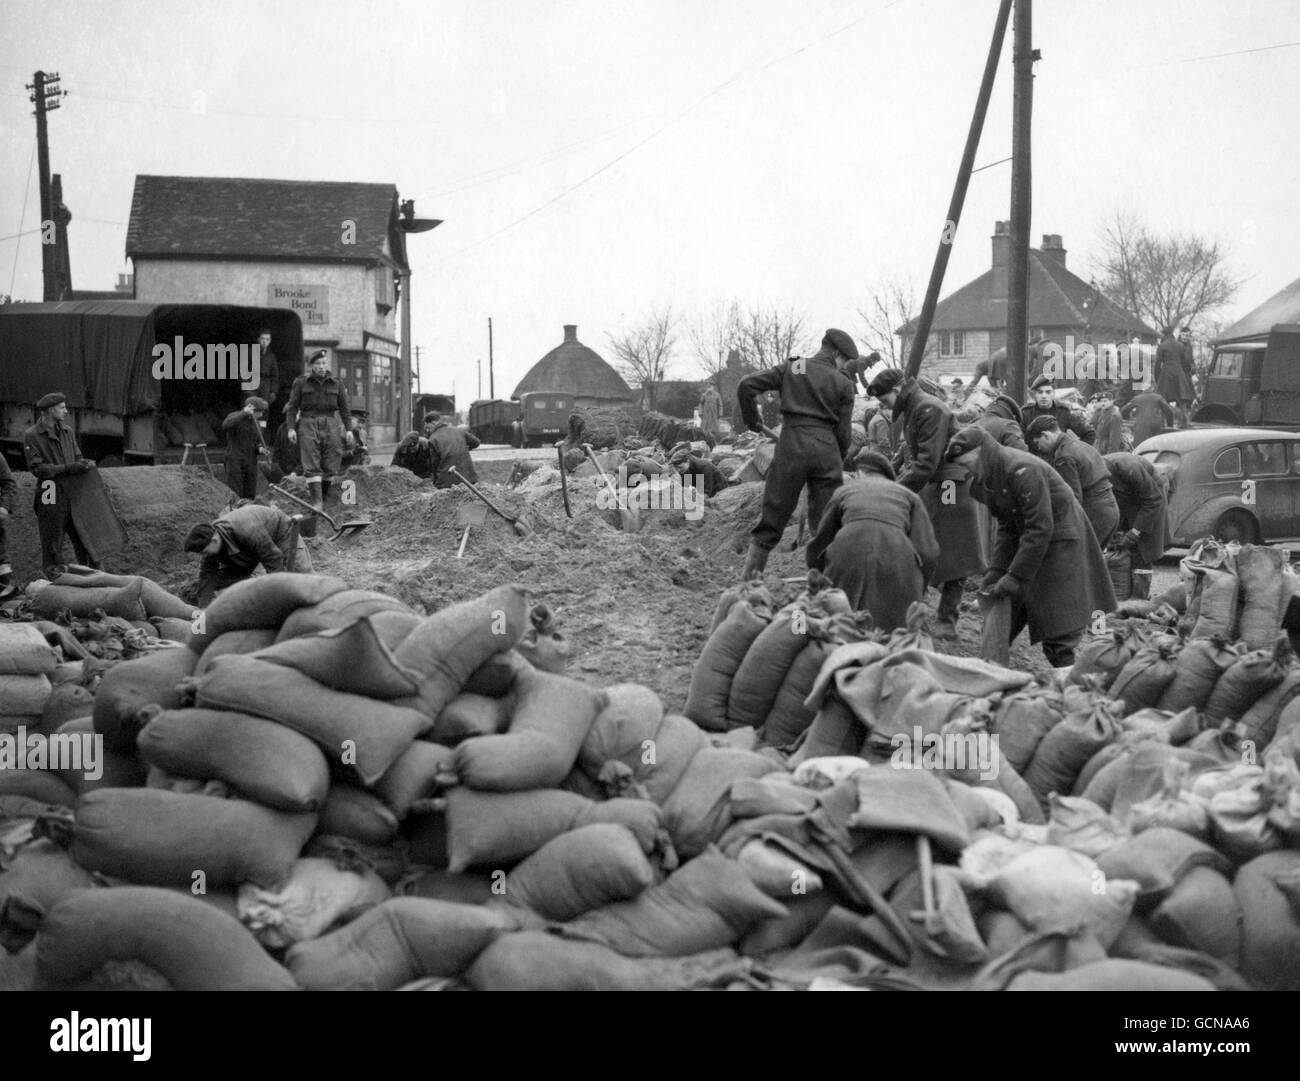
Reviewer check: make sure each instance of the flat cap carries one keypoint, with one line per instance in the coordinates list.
(870, 460)
(1005, 406)
(197, 539)
(51, 399)
(969, 438)
(1042, 381)
(884, 382)
(257, 403)
(840, 341)
(1042, 424)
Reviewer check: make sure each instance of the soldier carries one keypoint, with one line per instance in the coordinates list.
(1046, 558)
(243, 446)
(1044, 404)
(318, 404)
(8, 489)
(1172, 381)
(1150, 413)
(52, 454)
(1109, 424)
(268, 389)
(1143, 510)
(1082, 468)
(816, 415)
(238, 542)
(927, 425)
(710, 410)
(1002, 421)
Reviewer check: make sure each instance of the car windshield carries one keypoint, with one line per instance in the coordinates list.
(1228, 365)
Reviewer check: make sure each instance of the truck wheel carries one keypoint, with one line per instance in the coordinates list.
(1236, 525)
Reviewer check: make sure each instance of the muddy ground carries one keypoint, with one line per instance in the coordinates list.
(635, 607)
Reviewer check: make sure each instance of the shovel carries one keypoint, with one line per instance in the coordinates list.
(522, 529)
(564, 483)
(630, 517)
(347, 529)
(467, 515)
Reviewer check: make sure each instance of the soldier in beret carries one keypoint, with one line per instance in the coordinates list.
(52, 454)
(816, 422)
(1044, 404)
(1082, 468)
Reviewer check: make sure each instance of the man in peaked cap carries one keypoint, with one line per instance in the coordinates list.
(927, 425)
(53, 457)
(1044, 404)
(816, 422)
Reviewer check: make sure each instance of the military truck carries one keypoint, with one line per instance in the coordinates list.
(1254, 380)
(106, 356)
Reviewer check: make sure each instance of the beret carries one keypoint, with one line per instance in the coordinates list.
(970, 438)
(872, 460)
(52, 399)
(317, 355)
(257, 403)
(1042, 424)
(884, 382)
(1042, 381)
(840, 341)
(197, 539)
(1005, 406)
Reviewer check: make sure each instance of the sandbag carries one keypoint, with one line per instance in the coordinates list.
(67, 702)
(69, 672)
(631, 716)
(122, 601)
(469, 715)
(698, 810)
(1119, 566)
(1146, 676)
(261, 760)
(40, 874)
(1104, 655)
(495, 677)
(24, 696)
(1264, 591)
(157, 601)
(155, 837)
(790, 715)
(705, 904)
(1021, 722)
(657, 764)
(1051, 887)
(1082, 826)
(758, 679)
(363, 734)
(1172, 807)
(37, 784)
(581, 870)
(447, 646)
(170, 629)
(338, 610)
(438, 884)
(1268, 892)
(710, 689)
(1217, 599)
(415, 775)
(357, 815)
(263, 602)
(536, 961)
(1094, 767)
(352, 659)
(396, 942)
(234, 642)
(114, 769)
(1251, 677)
(154, 679)
(1112, 975)
(1157, 859)
(1068, 746)
(552, 716)
(1201, 913)
(316, 896)
(1260, 722)
(1197, 669)
(24, 651)
(194, 945)
(496, 829)
(835, 731)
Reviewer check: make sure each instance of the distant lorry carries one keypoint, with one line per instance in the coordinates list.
(1254, 380)
(104, 355)
(494, 421)
(442, 404)
(538, 418)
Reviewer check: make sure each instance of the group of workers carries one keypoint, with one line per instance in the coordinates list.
(1021, 497)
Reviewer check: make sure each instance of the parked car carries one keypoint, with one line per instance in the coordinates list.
(1239, 484)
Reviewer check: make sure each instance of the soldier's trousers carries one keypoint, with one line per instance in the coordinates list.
(320, 437)
(53, 521)
(806, 456)
(241, 476)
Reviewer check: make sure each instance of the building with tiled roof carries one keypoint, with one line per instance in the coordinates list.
(573, 368)
(970, 325)
(330, 251)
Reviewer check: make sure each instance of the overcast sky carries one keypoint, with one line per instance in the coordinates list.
(594, 158)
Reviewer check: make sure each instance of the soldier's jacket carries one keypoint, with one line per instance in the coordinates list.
(1081, 467)
(50, 447)
(813, 390)
(1065, 417)
(313, 396)
(8, 488)
(927, 425)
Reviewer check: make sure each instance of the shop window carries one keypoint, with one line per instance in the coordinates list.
(381, 389)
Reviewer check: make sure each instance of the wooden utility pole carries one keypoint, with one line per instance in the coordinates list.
(45, 96)
(479, 395)
(1024, 56)
(949, 234)
(492, 383)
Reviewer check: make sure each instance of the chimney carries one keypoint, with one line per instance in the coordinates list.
(1053, 247)
(1001, 258)
(570, 332)
(125, 283)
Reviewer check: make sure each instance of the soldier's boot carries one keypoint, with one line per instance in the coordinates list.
(316, 497)
(1141, 585)
(945, 622)
(326, 483)
(755, 562)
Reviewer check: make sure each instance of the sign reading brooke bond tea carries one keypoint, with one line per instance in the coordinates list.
(311, 302)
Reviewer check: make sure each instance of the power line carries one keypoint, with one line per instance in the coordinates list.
(1235, 52)
(22, 218)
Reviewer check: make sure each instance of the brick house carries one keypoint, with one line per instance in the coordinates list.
(970, 325)
(331, 251)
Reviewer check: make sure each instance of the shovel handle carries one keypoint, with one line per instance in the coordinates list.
(926, 859)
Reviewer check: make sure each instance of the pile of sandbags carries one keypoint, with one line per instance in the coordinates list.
(760, 661)
(1239, 592)
(668, 431)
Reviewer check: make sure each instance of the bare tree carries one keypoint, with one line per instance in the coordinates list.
(713, 335)
(770, 335)
(645, 350)
(891, 304)
(1165, 280)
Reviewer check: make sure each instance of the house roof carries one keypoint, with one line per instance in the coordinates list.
(1056, 298)
(229, 217)
(573, 368)
(1282, 307)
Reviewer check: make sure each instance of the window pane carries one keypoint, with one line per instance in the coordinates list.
(1266, 459)
(1228, 463)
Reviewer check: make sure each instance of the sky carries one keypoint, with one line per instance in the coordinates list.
(594, 159)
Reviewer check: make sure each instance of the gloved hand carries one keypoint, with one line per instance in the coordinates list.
(1129, 541)
(78, 467)
(989, 580)
(1006, 586)
(293, 435)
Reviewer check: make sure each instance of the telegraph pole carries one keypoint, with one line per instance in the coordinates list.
(492, 384)
(45, 96)
(479, 362)
(1024, 56)
(417, 367)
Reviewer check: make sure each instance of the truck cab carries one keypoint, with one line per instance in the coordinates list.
(1254, 380)
(543, 417)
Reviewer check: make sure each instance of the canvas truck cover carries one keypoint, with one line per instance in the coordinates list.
(100, 352)
(1282, 359)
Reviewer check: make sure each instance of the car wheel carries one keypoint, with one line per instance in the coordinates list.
(1237, 526)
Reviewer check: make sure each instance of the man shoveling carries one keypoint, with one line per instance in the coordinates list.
(238, 542)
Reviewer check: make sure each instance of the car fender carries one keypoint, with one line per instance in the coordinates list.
(1198, 520)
